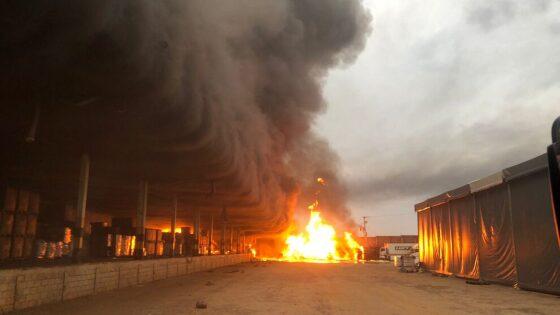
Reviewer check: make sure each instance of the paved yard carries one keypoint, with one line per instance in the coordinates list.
(289, 288)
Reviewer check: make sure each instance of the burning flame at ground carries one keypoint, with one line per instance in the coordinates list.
(320, 243)
(252, 250)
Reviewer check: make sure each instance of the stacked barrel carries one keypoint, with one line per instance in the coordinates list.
(168, 244)
(153, 242)
(119, 240)
(18, 223)
(124, 235)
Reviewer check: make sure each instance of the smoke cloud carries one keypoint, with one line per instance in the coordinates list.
(211, 100)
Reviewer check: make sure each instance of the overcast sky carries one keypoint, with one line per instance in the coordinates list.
(445, 92)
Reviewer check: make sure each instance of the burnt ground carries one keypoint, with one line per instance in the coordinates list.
(290, 288)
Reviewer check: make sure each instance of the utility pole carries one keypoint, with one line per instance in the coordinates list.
(364, 226)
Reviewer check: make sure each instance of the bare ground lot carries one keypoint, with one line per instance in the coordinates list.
(290, 288)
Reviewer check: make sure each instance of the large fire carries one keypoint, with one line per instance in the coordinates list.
(320, 242)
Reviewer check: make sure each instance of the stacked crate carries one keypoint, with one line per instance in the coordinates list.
(153, 242)
(189, 242)
(18, 223)
(7, 222)
(168, 244)
(125, 242)
(159, 243)
(53, 241)
(101, 240)
(31, 228)
(125, 239)
(150, 242)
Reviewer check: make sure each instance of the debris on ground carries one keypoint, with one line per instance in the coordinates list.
(201, 304)
(477, 282)
(209, 283)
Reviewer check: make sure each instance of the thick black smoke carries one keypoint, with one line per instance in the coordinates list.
(198, 90)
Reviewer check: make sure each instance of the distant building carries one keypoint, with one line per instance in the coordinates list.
(372, 244)
(379, 241)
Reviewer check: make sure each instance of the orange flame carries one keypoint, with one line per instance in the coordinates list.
(252, 250)
(320, 243)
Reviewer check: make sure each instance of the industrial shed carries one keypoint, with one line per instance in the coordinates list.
(500, 229)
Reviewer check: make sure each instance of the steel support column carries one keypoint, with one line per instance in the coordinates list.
(231, 240)
(238, 242)
(243, 244)
(81, 206)
(210, 235)
(196, 231)
(174, 224)
(223, 234)
(141, 219)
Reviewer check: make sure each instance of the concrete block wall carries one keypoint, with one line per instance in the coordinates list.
(23, 288)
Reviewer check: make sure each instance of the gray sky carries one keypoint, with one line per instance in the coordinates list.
(445, 92)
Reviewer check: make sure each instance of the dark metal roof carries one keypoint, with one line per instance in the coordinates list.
(487, 182)
(526, 168)
(531, 166)
(443, 198)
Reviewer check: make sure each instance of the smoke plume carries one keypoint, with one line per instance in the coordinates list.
(202, 97)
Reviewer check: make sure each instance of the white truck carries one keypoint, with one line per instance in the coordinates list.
(389, 250)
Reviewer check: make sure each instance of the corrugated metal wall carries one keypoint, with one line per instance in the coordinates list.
(504, 233)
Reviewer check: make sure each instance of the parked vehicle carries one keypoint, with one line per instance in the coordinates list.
(389, 250)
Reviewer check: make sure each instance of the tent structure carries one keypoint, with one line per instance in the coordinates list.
(500, 229)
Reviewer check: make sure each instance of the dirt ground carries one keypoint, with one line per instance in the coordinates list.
(290, 288)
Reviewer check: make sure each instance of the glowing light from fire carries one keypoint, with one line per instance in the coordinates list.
(252, 250)
(320, 243)
(167, 230)
(354, 246)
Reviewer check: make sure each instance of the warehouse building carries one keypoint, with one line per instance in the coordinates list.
(499, 229)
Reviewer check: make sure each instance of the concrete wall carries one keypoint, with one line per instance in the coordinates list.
(22, 288)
